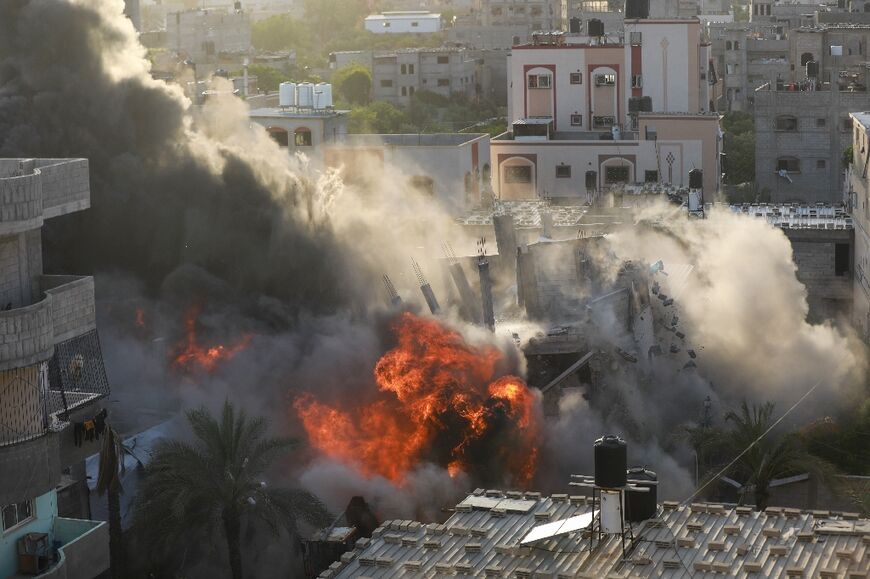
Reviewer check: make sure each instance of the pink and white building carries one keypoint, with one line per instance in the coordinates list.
(584, 113)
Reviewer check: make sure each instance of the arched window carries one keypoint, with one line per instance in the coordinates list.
(728, 45)
(806, 57)
(279, 135)
(788, 164)
(786, 123)
(302, 137)
(487, 172)
(736, 45)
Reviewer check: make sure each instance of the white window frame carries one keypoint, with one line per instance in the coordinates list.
(578, 76)
(18, 522)
(579, 119)
(605, 79)
(637, 81)
(541, 81)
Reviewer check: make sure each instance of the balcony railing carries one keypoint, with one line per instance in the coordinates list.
(38, 398)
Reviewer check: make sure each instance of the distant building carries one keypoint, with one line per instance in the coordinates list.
(473, 35)
(543, 15)
(403, 23)
(52, 382)
(452, 168)
(207, 35)
(577, 14)
(398, 75)
(800, 136)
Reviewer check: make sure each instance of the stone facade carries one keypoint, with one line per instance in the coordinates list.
(40, 317)
(817, 253)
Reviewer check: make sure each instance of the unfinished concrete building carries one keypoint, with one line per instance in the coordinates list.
(800, 139)
(52, 380)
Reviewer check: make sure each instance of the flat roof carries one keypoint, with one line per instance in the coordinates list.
(798, 216)
(485, 534)
(411, 140)
(295, 113)
(863, 118)
(404, 16)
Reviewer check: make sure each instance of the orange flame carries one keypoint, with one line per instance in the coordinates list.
(438, 401)
(190, 355)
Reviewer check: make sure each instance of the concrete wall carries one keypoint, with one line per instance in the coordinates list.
(85, 550)
(72, 305)
(592, 155)
(820, 137)
(28, 469)
(403, 24)
(829, 295)
(859, 202)
(188, 32)
(27, 335)
(45, 507)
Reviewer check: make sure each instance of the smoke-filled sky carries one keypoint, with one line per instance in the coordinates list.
(204, 208)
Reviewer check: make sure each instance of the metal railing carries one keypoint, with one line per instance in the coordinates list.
(37, 398)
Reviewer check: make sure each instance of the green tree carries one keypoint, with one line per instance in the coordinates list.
(379, 117)
(268, 78)
(213, 486)
(739, 148)
(769, 458)
(353, 83)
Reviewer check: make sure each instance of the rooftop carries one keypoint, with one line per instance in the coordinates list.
(411, 140)
(296, 113)
(863, 118)
(794, 216)
(483, 539)
(410, 15)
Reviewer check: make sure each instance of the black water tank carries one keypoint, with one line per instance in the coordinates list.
(636, 9)
(696, 179)
(574, 25)
(812, 69)
(646, 104)
(634, 104)
(595, 28)
(610, 461)
(640, 506)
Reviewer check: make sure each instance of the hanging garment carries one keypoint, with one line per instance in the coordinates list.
(89, 430)
(78, 433)
(100, 423)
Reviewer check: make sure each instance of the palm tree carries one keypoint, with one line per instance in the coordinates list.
(111, 469)
(769, 458)
(215, 485)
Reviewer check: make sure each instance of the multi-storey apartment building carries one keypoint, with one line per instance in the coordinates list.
(206, 35)
(585, 115)
(539, 14)
(52, 379)
(398, 75)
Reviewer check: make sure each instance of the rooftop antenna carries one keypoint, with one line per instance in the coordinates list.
(395, 299)
(425, 288)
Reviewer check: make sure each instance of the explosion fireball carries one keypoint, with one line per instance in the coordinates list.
(190, 355)
(439, 401)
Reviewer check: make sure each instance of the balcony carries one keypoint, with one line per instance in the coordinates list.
(82, 550)
(50, 359)
(35, 189)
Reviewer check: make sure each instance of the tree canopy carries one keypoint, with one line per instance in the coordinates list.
(353, 84)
